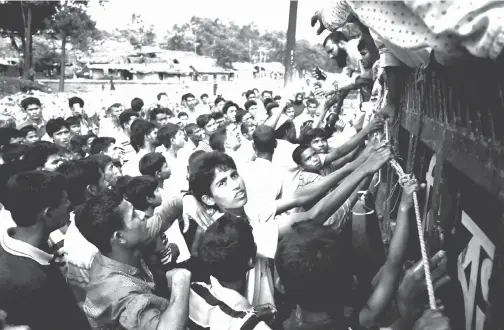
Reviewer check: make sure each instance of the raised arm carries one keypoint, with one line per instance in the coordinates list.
(390, 272)
(333, 201)
(176, 315)
(354, 142)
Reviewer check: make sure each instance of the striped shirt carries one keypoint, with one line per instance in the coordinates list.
(214, 307)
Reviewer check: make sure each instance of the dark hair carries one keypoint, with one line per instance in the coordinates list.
(266, 92)
(77, 142)
(125, 116)
(335, 37)
(167, 133)
(264, 139)
(121, 184)
(151, 163)
(296, 154)
(312, 134)
(314, 266)
(139, 129)
(228, 105)
(312, 101)
(99, 218)
(190, 128)
(79, 174)
(202, 171)
(101, 144)
(240, 113)
(38, 154)
(287, 131)
(271, 106)
(14, 152)
(29, 193)
(75, 100)
(203, 120)
(187, 96)
(219, 100)
(137, 104)
(101, 160)
(138, 189)
(362, 45)
(217, 115)
(161, 94)
(287, 106)
(268, 101)
(7, 133)
(248, 93)
(182, 114)
(203, 95)
(27, 129)
(193, 156)
(249, 103)
(156, 111)
(73, 120)
(245, 127)
(227, 248)
(55, 125)
(218, 138)
(29, 101)
(277, 98)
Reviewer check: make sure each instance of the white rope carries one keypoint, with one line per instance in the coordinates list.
(425, 260)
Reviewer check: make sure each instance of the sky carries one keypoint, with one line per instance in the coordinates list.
(163, 14)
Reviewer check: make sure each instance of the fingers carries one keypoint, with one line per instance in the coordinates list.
(441, 282)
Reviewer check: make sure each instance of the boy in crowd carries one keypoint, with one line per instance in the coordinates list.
(229, 110)
(120, 233)
(33, 291)
(184, 119)
(154, 165)
(43, 155)
(215, 182)
(74, 124)
(59, 131)
(33, 110)
(143, 140)
(227, 252)
(209, 125)
(160, 116)
(30, 135)
(107, 146)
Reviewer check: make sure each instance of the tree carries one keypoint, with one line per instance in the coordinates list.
(23, 19)
(307, 57)
(71, 23)
(138, 34)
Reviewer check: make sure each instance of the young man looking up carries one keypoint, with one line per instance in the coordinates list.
(207, 123)
(120, 233)
(33, 109)
(33, 291)
(215, 182)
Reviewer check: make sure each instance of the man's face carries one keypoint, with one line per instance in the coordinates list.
(62, 137)
(267, 95)
(76, 108)
(157, 197)
(127, 125)
(365, 58)
(311, 109)
(310, 160)
(87, 147)
(162, 119)
(75, 129)
(251, 129)
(152, 136)
(52, 162)
(332, 48)
(31, 137)
(34, 112)
(251, 97)
(220, 106)
(183, 121)
(253, 110)
(165, 172)
(319, 145)
(233, 139)
(228, 190)
(111, 173)
(210, 127)
(114, 151)
(248, 118)
(179, 139)
(116, 111)
(60, 215)
(204, 100)
(191, 102)
(289, 112)
(164, 102)
(135, 232)
(231, 114)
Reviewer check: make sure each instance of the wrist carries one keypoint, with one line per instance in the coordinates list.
(405, 206)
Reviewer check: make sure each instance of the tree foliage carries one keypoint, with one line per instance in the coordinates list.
(138, 34)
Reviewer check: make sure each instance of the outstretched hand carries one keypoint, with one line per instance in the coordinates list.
(378, 158)
(410, 185)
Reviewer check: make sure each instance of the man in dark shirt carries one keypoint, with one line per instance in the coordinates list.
(33, 291)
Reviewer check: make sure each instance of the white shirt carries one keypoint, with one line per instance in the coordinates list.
(262, 178)
(282, 157)
(131, 167)
(6, 221)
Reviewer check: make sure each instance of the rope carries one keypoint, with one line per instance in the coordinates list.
(425, 260)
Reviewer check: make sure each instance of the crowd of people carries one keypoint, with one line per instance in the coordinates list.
(252, 213)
